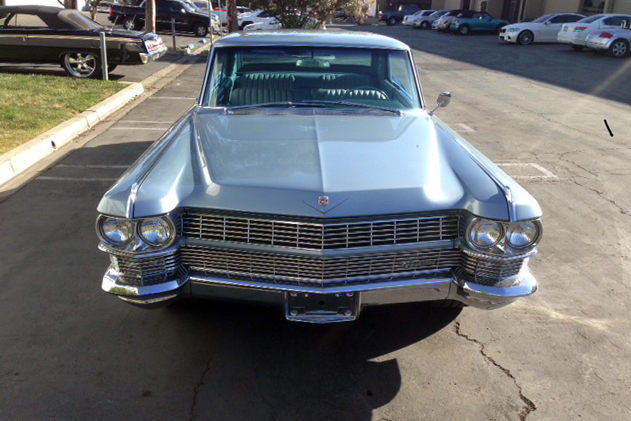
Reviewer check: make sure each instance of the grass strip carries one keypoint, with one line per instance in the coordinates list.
(33, 104)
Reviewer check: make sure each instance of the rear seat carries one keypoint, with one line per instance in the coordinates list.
(253, 88)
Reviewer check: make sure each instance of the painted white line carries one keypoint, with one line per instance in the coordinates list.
(92, 166)
(47, 178)
(173, 97)
(545, 174)
(465, 128)
(163, 129)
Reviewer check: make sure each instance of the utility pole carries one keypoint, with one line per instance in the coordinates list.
(233, 23)
(150, 16)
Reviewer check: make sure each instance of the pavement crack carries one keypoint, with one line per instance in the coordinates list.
(622, 210)
(197, 388)
(529, 406)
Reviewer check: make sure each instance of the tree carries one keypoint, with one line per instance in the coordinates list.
(298, 13)
(231, 14)
(93, 5)
(357, 9)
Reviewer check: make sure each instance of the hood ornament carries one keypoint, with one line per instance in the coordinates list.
(323, 204)
(323, 200)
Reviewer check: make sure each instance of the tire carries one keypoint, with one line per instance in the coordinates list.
(619, 48)
(463, 30)
(200, 30)
(81, 65)
(425, 25)
(392, 21)
(576, 47)
(129, 24)
(525, 38)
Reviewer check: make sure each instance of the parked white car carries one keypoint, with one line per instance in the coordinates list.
(543, 29)
(426, 22)
(443, 23)
(576, 33)
(615, 41)
(411, 20)
(269, 23)
(253, 17)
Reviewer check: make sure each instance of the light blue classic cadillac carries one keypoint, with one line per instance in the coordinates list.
(312, 175)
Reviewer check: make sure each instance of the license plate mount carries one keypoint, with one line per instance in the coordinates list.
(322, 308)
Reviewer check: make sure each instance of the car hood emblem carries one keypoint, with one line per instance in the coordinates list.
(323, 200)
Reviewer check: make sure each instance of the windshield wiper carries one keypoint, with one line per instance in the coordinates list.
(311, 103)
(355, 104)
(230, 110)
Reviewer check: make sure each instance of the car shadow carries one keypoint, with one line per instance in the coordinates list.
(296, 370)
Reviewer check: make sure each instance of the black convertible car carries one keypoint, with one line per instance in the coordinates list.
(39, 34)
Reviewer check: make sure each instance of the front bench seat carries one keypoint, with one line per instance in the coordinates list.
(333, 94)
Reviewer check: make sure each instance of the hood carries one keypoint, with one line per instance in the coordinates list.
(282, 162)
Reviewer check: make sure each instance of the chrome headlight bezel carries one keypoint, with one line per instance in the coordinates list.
(167, 224)
(477, 222)
(100, 229)
(503, 246)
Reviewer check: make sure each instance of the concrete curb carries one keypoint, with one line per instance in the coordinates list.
(25, 156)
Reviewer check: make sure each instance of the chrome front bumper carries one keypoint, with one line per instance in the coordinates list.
(437, 288)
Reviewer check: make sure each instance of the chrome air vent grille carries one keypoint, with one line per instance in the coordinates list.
(298, 268)
(319, 236)
(490, 271)
(138, 271)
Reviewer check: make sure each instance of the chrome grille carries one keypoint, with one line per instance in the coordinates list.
(490, 271)
(319, 236)
(138, 271)
(329, 270)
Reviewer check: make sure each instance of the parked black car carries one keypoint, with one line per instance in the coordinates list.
(391, 17)
(40, 34)
(188, 18)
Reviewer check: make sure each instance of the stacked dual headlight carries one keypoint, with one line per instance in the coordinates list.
(156, 232)
(486, 234)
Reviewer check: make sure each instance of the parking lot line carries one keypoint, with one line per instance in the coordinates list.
(523, 168)
(92, 166)
(464, 129)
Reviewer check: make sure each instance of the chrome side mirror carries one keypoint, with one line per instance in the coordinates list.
(443, 100)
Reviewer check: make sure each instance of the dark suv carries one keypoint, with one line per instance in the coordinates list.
(391, 17)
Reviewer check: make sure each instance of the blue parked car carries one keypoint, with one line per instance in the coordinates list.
(476, 22)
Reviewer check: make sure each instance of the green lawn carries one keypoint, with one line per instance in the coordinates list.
(32, 104)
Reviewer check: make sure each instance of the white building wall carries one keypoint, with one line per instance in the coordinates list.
(619, 6)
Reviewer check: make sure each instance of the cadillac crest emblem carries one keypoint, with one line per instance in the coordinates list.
(323, 200)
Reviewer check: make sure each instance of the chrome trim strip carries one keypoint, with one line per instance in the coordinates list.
(111, 285)
(202, 279)
(500, 258)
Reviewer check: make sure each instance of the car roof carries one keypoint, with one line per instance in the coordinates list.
(310, 38)
(54, 17)
(32, 10)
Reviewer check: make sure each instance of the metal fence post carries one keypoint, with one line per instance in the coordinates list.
(103, 56)
(173, 33)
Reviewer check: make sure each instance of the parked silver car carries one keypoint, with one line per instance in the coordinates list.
(312, 175)
(615, 41)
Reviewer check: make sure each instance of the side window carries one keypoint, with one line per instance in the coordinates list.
(477, 16)
(559, 19)
(263, 15)
(487, 16)
(614, 20)
(21, 20)
(573, 18)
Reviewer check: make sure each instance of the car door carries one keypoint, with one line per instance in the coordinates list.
(550, 29)
(484, 22)
(13, 40)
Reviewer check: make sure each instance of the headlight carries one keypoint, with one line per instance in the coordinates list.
(522, 234)
(117, 231)
(155, 231)
(484, 233)
(511, 29)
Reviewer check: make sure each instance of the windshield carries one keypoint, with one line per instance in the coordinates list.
(289, 76)
(591, 19)
(542, 19)
(438, 13)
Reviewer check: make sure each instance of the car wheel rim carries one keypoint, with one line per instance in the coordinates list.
(464, 30)
(526, 38)
(129, 25)
(619, 49)
(200, 31)
(80, 65)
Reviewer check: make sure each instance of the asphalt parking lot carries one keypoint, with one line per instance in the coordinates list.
(69, 351)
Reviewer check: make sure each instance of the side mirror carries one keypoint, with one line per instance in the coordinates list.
(443, 100)
(547, 22)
